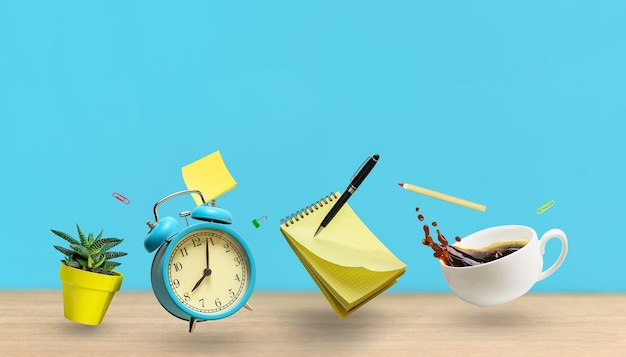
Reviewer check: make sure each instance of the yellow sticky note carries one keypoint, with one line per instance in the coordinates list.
(208, 175)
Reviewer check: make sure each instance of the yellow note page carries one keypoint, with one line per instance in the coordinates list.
(349, 285)
(208, 175)
(346, 241)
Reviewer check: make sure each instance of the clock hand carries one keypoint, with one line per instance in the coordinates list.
(206, 271)
(198, 283)
(207, 252)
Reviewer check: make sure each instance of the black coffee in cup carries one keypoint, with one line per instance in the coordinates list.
(462, 257)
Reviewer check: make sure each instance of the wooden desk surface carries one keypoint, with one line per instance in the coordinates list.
(292, 324)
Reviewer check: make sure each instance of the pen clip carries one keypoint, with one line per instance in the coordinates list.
(359, 168)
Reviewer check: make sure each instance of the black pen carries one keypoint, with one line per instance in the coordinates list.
(356, 180)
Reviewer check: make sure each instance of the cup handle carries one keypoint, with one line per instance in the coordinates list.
(553, 233)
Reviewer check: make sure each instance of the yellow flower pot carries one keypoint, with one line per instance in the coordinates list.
(87, 295)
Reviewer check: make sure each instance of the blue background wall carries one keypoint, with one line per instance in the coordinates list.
(510, 105)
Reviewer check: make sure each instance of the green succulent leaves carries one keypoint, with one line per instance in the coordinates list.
(89, 253)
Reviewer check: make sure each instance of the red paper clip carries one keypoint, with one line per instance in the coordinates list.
(121, 198)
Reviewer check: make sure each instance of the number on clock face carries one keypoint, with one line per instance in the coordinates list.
(207, 271)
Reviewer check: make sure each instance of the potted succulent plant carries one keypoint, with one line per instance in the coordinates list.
(88, 276)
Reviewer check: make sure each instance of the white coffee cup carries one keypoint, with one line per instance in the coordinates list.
(506, 278)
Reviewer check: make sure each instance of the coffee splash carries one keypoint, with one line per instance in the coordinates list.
(461, 257)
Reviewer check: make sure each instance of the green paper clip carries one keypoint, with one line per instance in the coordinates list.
(257, 222)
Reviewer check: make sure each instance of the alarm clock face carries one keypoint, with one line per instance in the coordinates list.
(208, 272)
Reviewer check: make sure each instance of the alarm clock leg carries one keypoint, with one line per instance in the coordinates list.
(248, 306)
(192, 324)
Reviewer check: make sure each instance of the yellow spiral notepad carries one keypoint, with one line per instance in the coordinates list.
(346, 260)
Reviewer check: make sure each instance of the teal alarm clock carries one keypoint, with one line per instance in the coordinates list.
(205, 271)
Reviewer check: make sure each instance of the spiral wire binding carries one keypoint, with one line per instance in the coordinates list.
(296, 216)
